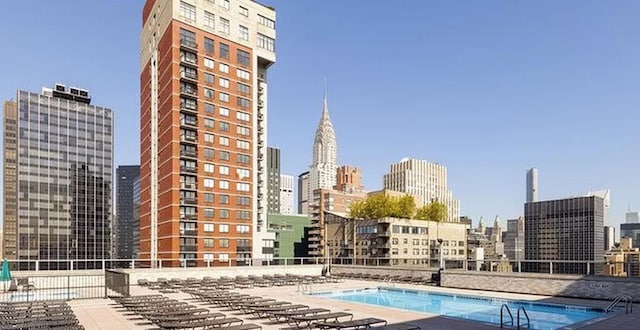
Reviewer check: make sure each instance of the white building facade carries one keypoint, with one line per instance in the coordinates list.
(322, 174)
(286, 194)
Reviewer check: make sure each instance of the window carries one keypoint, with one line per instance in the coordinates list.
(243, 57)
(187, 38)
(208, 63)
(416, 242)
(223, 228)
(242, 228)
(223, 257)
(265, 42)
(208, 168)
(208, 123)
(224, 126)
(208, 153)
(223, 112)
(208, 213)
(241, 130)
(208, 256)
(242, 186)
(208, 198)
(208, 92)
(209, 20)
(209, 46)
(224, 170)
(244, 159)
(209, 78)
(208, 137)
(244, 33)
(243, 116)
(224, 25)
(224, 51)
(222, 184)
(224, 242)
(224, 199)
(243, 173)
(394, 241)
(243, 74)
(240, 144)
(223, 68)
(243, 215)
(242, 102)
(266, 22)
(224, 97)
(243, 200)
(187, 12)
(223, 82)
(244, 11)
(223, 141)
(208, 242)
(208, 183)
(224, 214)
(208, 228)
(188, 57)
(394, 251)
(225, 4)
(224, 155)
(244, 89)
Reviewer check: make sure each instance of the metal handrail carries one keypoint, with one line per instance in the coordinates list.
(524, 311)
(502, 323)
(628, 304)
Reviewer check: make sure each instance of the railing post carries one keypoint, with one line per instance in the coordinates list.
(103, 264)
(588, 268)
(208, 263)
(71, 265)
(519, 266)
(68, 287)
(550, 267)
(37, 265)
(133, 263)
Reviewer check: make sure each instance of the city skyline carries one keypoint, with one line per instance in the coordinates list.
(583, 91)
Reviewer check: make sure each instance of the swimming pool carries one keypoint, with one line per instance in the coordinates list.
(482, 309)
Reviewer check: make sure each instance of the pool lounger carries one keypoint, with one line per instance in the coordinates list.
(267, 311)
(306, 321)
(210, 323)
(287, 315)
(397, 327)
(356, 324)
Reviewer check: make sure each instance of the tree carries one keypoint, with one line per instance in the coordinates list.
(406, 207)
(434, 211)
(382, 206)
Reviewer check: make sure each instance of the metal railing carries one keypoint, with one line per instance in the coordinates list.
(54, 287)
(116, 283)
(524, 312)
(628, 304)
(502, 322)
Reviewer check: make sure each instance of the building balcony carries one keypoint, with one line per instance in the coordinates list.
(188, 169)
(243, 249)
(188, 44)
(188, 138)
(188, 248)
(384, 233)
(189, 62)
(314, 232)
(314, 246)
(188, 200)
(189, 123)
(190, 154)
(188, 185)
(260, 117)
(185, 232)
(192, 78)
(189, 216)
(314, 238)
(189, 110)
(189, 92)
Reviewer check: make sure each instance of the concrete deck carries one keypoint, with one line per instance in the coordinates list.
(103, 313)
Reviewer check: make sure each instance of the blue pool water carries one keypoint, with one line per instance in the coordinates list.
(482, 309)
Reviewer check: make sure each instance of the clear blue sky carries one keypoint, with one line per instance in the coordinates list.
(487, 88)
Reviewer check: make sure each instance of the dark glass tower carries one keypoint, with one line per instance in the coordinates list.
(126, 221)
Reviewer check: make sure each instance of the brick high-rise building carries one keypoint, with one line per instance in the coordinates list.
(203, 89)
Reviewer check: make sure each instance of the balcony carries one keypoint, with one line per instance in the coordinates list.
(189, 62)
(188, 185)
(188, 232)
(314, 232)
(188, 138)
(188, 200)
(188, 248)
(384, 233)
(189, 109)
(188, 44)
(189, 92)
(189, 216)
(243, 249)
(187, 153)
(188, 169)
(260, 117)
(193, 78)
(189, 123)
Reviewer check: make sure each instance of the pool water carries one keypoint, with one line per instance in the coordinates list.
(481, 309)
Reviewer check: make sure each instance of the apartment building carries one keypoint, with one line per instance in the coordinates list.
(58, 156)
(394, 241)
(126, 222)
(426, 180)
(303, 193)
(203, 87)
(286, 194)
(273, 180)
(624, 260)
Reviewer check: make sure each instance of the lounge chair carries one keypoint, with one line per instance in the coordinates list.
(356, 324)
(306, 321)
(210, 323)
(287, 315)
(266, 311)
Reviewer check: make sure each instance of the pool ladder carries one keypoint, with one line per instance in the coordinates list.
(503, 323)
(628, 304)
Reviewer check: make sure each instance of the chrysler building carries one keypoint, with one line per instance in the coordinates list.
(322, 173)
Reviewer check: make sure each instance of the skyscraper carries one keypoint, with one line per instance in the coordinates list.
(532, 185)
(513, 239)
(322, 174)
(58, 177)
(126, 222)
(303, 193)
(286, 194)
(273, 182)
(570, 229)
(427, 181)
(203, 134)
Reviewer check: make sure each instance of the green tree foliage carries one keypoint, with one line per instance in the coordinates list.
(434, 211)
(382, 206)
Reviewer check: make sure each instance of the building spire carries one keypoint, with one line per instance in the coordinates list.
(325, 106)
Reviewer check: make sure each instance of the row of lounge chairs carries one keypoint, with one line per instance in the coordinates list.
(298, 315)
(175, 314)
(38, 315)
(229, 283)
(389, 278)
